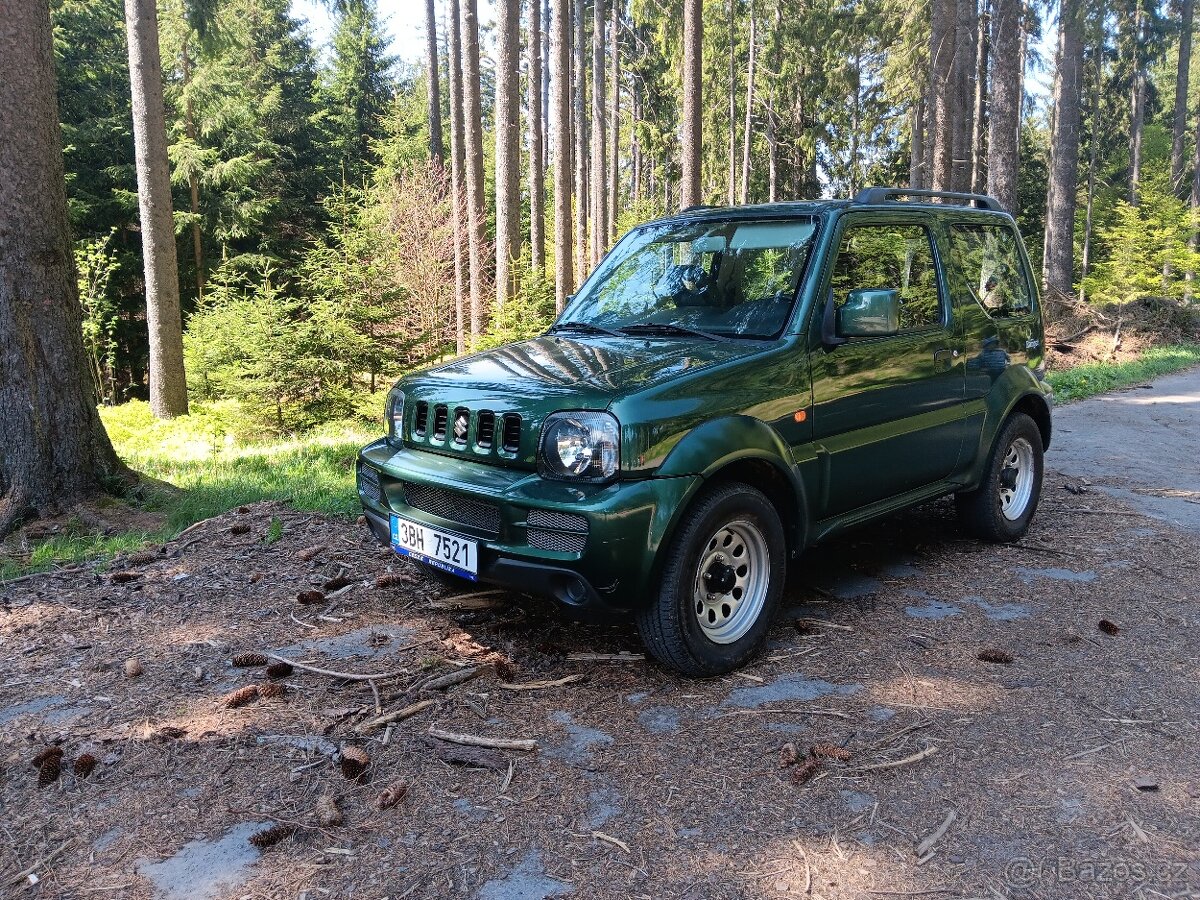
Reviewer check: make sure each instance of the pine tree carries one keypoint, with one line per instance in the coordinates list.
(560, 114)
(358, 90)
(691, 140)
(432, 79)
(508, 143)
(537, 148)
(1058, 263)
(1004, 110)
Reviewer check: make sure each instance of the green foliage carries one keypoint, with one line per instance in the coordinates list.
(95, 265)
(1096, 378)
(525, 315)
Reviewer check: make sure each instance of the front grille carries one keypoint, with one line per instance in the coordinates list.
(512, 432)
(440, 417)
(462, 425)
(453, 506)
(420, 419)
(562, 541)
(485, 430)
(545, 518)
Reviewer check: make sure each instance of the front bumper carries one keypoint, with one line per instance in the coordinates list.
(627, 522)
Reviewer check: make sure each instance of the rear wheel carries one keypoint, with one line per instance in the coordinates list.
(720, 586)
(1002, 507)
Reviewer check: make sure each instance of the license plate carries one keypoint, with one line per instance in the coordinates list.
(440, 549)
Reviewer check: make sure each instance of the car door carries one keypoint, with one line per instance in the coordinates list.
(887, 410)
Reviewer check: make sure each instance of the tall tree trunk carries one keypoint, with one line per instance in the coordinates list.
(916, 152)
(1179, 119)
(1004, 113)
(189, 128)
(168, 383)
(966, 29)
(545, 17)
(436, 153)
(1194, 240)
(1093, 147)
(53, 448)
(690, 132)
(978, 152)
(614, 120)
(1058, 266)
(942, 92)
(746, 133)
(473, 150)
(855, 120)
(457, 174)
(731, 192)
(599, 152)
(1137, 113)
(580, 128)
(537, 161)
(635, 142)
(560, 105)
(772, 113)
(508, 147)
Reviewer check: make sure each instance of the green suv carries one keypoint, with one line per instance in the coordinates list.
(729, 387)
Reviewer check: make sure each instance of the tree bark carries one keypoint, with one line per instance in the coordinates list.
(772, 113)
(457, 174)
(1004, 114)
(942, 92)
(1058, 267)
(508, 148)
(966, 29)
(473, 151)
(560, 104)
(916, 152)
(978, 152)
(1093, 148)
(53, 448)
(168, 382)
(189, 128)
(537, 159)
(731, 192)
(580, 128)
(614, 121)
(1137, 114)
(599, 151)
(1179, 119)
(690, 133)
(436, 154)
(746, 133)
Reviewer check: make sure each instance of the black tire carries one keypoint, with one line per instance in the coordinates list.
(670, 625)
(982, 511)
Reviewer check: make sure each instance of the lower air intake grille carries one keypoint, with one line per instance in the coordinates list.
(368, 483)
(562, 541)
(453, 506)
(544, 518)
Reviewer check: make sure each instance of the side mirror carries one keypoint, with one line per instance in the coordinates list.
(870, 312)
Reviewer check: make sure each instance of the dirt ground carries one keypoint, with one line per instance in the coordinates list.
(1070, 772)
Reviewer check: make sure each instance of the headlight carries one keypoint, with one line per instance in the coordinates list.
(394, 416)
(582, 446)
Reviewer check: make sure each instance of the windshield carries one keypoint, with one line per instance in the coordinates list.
(714, 279)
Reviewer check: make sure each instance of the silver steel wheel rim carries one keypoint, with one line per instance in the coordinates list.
(1016, 479)
(731, 581)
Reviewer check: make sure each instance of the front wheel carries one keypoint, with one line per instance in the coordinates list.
(720, 585)
(1002, 507)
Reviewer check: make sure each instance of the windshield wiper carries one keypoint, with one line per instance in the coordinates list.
(670, 328)
(585, 328)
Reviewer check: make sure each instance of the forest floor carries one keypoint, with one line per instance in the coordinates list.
(1069, 772)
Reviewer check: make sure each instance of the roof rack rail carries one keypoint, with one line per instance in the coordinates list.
(875, 195)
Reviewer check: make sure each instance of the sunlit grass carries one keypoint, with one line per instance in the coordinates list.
(1096, 378)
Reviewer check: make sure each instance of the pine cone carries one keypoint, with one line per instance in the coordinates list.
(241, 696)
(310, 597)
(272, 690)
(279, 670)
(1109, 628)
(334, 584)
(992, 655)
(142, 558)
(49, 770)
(354, 762)
(124, 577)
(269, 837)
(805, 771)
(49, 753)
(84, 765)
(392, 795)
(246, 660)
(392, 580)
(310, 552)
(239, 529)
(133, 668)
(830, 751)
(505, 670)
(327, 810)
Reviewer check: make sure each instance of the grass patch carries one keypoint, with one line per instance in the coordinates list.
(1096, 378)
(217, 466)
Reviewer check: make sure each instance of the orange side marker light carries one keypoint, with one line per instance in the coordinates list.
(800, 415)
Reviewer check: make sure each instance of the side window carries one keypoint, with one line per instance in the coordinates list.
(896, 257)
(988, 261)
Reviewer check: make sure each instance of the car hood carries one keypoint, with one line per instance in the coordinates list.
(589, 369)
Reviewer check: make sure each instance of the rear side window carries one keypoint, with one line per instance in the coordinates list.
(989, 262)
(891, 257)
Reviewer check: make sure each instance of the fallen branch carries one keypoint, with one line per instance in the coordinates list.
(348, 676)
(916, 757)
(397, 716)
(473, 740)
(479, 757)
(807, 868)
(609, 839)
(441, 682)
(538, 685)
(926, 845)
(479, 600)
(44, 861)
(623, 656)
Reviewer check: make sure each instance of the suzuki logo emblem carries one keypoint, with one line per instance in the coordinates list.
(460, 427)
